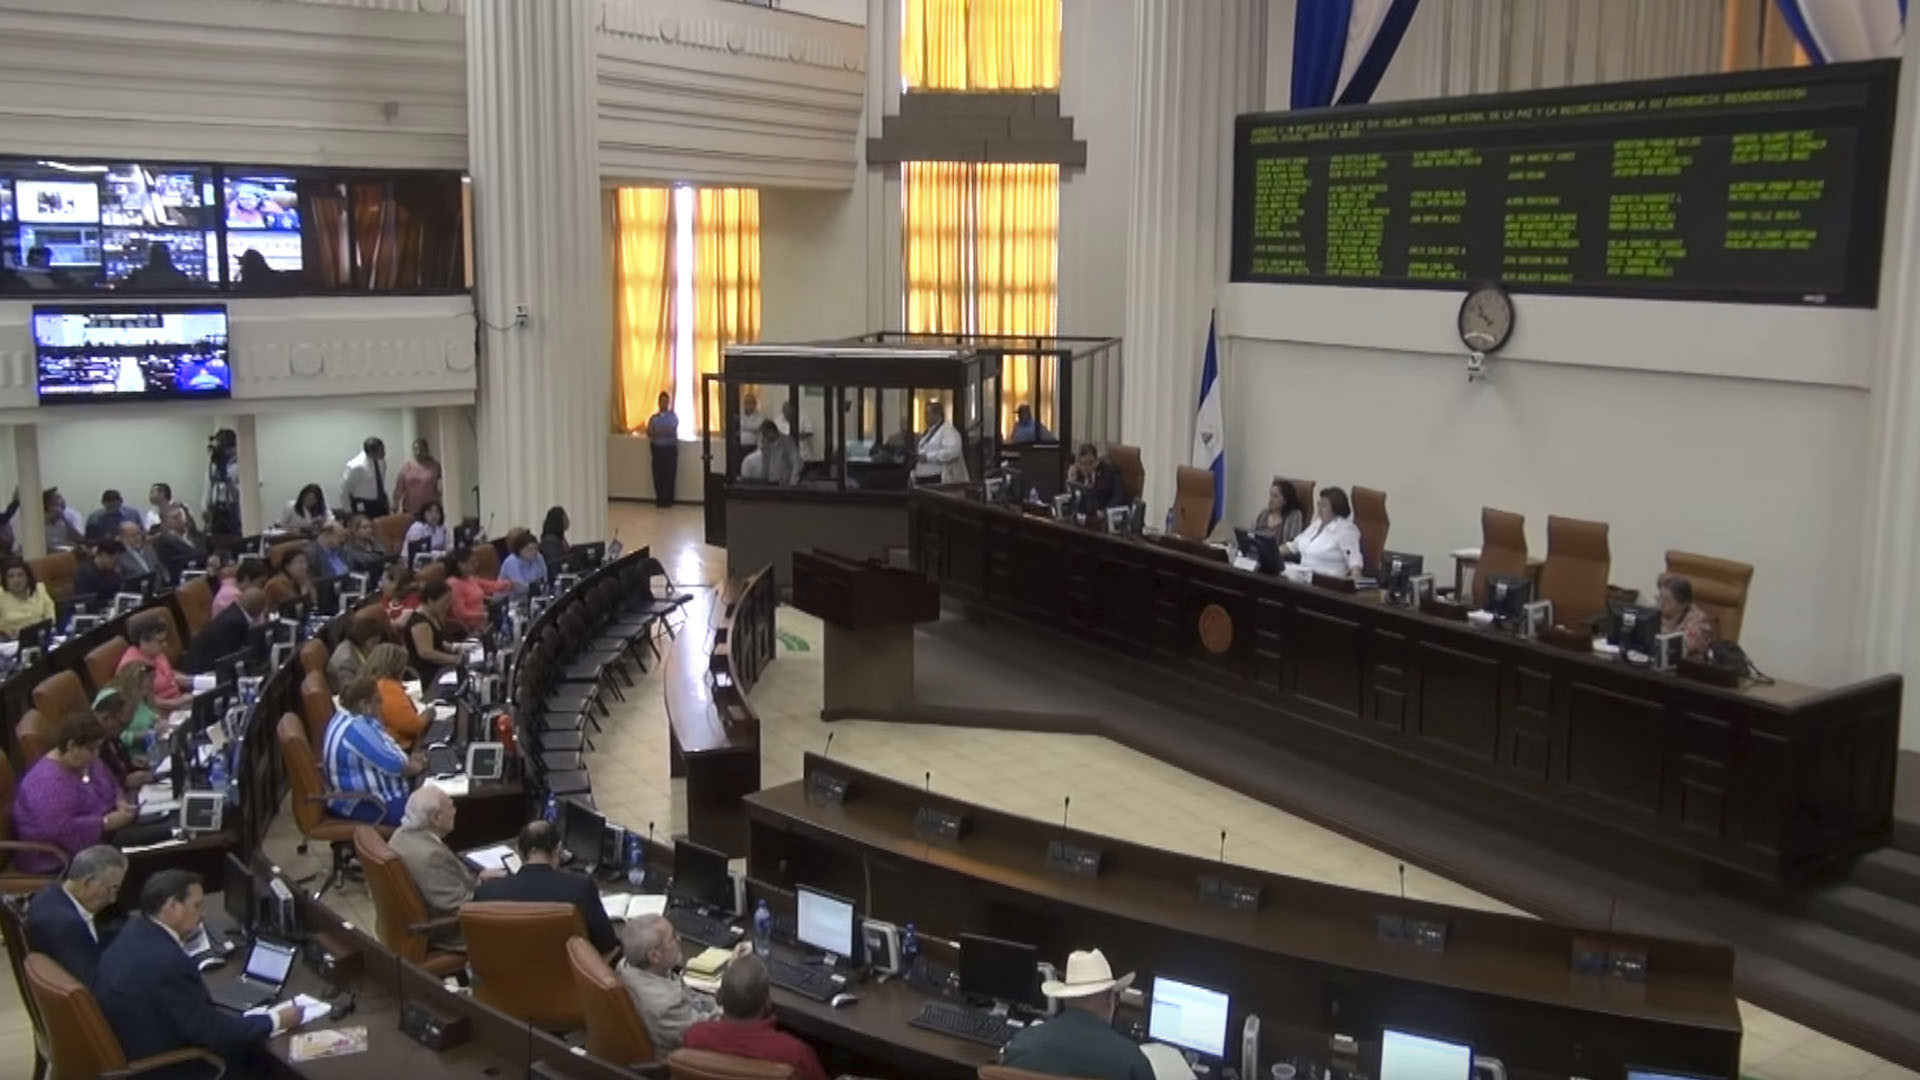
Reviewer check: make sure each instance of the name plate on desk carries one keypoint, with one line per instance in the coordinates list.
(933, 823)
(1420, 933)
(826, 789)
(433, 1029)
(1072, 859)
(1229, 894)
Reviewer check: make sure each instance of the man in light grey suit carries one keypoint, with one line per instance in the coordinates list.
(443, 880)
(651, 958)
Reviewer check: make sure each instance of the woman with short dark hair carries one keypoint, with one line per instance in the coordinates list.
(307, 512)
(69, 799)
(1331, 545)
(23, 600)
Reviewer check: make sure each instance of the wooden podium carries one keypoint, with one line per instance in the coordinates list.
(869, 610)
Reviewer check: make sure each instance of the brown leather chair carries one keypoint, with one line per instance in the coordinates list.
(79, 1041)
(400, 913)
(13, 932)
(278, 553)
(34, 736)
(1192, 502)
(1503, 550)
(1302, 490)
(196, 604)
(517, 952)
(391, 531)
(615, 1032)
(309, 793)
(1127, 460)
(279, 591)
(176, 636)
(1719, 587)
(59, 696)
(1370, 517)
(56, 572)
(12, 881)
(1575, 574)
(316, 705)
(314, 656)
(486, 561)
(710, 1065)
(103, 660)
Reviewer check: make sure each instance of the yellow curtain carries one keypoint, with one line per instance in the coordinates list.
(726, 277)
(1013, 44)
(643, 316)
(1016, 273)
(933, 45)
(937, 194)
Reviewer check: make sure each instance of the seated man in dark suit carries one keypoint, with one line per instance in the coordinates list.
(541, 879)
(60, 917)
(97, 581)
(1100, 479)
(151, 994)
(226, 634)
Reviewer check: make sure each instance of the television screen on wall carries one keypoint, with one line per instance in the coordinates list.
(129, 352)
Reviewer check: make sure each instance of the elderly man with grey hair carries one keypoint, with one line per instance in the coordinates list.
(650, 966)
(60, 917)
(445, 883)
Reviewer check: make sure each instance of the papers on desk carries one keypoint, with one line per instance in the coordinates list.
(204, 683)
(311, 1008)
(633, 905)
(414, 690)
(454, 786)
(1167, 1061)
(328, 1042)
(702, 973)
(488, 858)
(158, 798)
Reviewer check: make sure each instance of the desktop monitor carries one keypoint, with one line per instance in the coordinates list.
(1508, 597)
(1405, 1056)
(237, 891)
(125, 352)
(1632, 628)
(824, 921)
(1188, 1016)
(700, 876)
(1262, 547)
(1397, 571)
(1001, 970)
(582, 831)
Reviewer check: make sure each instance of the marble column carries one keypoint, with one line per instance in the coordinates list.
(246, 460)
(1889, 629)
(1196, 66)
(545, 385)
(30, 521)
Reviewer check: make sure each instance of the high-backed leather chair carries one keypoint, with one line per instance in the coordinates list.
(12, 881)
(196, 603)
(711, 1065)
(1127, 460)
(103, 660)
(1575, 574)
(1503, 550)
(279, 591)
(1192, 502)
(79, 1041)
(1719, 587)
(34, 736)
(400, 913)
(1370, 517)
(56, 572)
(316, 706)
(1302, 490)
(176, 635)
(615, 1032)
(314, 656)
(391, 531)
(518, 954)
(486, 561)
(57, 697)
(13, 932)
(278, 553)
(309, 793)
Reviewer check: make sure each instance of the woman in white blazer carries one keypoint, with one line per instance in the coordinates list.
(1331, 545)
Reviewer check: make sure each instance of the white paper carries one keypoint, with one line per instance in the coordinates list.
(454, 786)
(633, 905)
(311, 1008)
(204, 683)
(490, 858)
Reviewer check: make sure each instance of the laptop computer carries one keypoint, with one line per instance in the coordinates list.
(268, 965)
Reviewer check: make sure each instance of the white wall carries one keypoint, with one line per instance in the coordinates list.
(813, 263)
(1096, 90)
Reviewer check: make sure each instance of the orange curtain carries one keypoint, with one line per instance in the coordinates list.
(935, 230)
(980, 45)
(726, 277)
(1016, 273)
(933, 45)
(643, 308)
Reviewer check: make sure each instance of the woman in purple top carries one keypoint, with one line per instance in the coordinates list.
(69, 798)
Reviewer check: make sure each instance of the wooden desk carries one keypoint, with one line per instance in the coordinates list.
(1773, 784)
(712, 665)
(1308, 962)
(869, 610)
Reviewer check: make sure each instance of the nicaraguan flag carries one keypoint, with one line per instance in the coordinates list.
(1209, 442)
(1836, 31)
(1341, 48)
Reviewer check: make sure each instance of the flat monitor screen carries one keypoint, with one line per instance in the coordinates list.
(270, 962)
(159, 259)
(131, 353)
(1416, 1057)
(1188, 1016)
(1001, 970)
(823, 921)
(70, 251)
(700, 876)
(265, 202)
(279, 250)
(158, 197)
(583, 831)
(6, 199)
(57, 202)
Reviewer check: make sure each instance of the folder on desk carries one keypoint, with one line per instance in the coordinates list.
(709, 964)
(633, 905)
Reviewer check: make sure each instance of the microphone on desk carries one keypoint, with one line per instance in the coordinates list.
(828, 752)
(1223, 847)
(1066, 804)
(1403, 881)
(649, 832)
(929, 780)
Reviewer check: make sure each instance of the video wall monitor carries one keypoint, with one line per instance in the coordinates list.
(171, 197)
(269, 203)
(57, 202)
(158, 260)
(128, 352)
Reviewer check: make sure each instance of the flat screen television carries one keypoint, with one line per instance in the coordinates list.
(131, 352)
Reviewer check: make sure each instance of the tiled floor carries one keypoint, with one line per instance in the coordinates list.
(1023, 773)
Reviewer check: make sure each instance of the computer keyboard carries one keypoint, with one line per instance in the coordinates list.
(707, 931)
(816, 983)
(964, 1023)
(438, 731)
(443, 761)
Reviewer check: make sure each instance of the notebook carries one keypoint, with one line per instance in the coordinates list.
(633, 905)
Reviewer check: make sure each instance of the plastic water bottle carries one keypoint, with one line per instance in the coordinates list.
(217, 773)
(636, 860)
(762, 929)
(552, 810)
(909, 948)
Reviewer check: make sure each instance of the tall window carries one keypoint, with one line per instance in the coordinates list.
(982, 241)
(687, 283)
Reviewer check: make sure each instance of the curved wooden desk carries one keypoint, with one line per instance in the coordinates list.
(712, 666)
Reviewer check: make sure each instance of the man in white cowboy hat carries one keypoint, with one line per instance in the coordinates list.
(1081, 1041)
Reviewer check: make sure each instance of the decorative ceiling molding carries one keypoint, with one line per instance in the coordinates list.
(740, 30)
(406, 7)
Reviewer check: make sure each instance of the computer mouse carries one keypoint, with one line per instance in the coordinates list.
(842, 1000)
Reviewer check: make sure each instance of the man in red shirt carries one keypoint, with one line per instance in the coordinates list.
(745, 1025)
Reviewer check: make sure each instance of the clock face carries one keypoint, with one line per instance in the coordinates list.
(1486, 318)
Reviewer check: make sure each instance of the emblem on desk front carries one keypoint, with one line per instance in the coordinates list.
(1216, 629)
